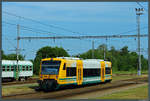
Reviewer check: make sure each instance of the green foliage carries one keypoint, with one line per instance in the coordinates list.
(3, 55)
(122, 60)
(47, 52)
(14, 57)
(11, 56)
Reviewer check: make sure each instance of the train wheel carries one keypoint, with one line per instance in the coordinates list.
(26, 78)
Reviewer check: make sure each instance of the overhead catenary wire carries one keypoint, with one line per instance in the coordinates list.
(10, 42)
(30, 29)
(33, 29)
(48, 25)
(84, 37)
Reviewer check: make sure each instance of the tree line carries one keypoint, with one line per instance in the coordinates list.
(122, 60)
(11, 56)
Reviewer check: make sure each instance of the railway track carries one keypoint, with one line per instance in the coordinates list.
(72, 91)
(34, 80)
(30, 80)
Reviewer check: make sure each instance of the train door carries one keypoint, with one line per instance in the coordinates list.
(102, 71)
(79, 72)
(16, 71)
(15, 67)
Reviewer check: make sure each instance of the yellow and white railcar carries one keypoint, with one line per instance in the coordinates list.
(56, 72)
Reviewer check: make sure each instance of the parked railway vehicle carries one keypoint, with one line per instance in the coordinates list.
(60, 71)
(9, 69)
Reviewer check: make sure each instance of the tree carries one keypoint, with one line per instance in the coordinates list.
(3, 55)
(122, 60)
(124, 50)
(13, 57)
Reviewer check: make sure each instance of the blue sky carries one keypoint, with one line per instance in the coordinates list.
(88, 18)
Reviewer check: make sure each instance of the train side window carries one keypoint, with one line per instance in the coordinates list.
(8, 68)
(12, 68)
(100, 71)
(30, 68)
(23, 68)
(71, 71)
(91, 72)
(64, 67)
(3, 68)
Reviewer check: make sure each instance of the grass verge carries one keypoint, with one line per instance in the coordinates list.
(18, 89)
(134, 93)
(130, 72)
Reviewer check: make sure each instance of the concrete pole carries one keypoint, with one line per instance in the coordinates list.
(104, 52)
(149, 47)
(139, 51)
(92, 49)
(138, 13)
(17, 52)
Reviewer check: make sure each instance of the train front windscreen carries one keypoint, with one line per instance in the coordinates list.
(50, 67)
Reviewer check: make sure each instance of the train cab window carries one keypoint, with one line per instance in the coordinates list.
(8, 68)
(107, 70)
(64, 67)
(3, 68)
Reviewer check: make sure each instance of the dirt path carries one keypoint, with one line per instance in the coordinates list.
(93, 95)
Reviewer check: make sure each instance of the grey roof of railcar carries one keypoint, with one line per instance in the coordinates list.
(14, 62)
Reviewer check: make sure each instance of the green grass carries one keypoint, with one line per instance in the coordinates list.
(134, 93)
(121, 77)
(114, 78)
(129, 72)
(17, 89)
(35, 76)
